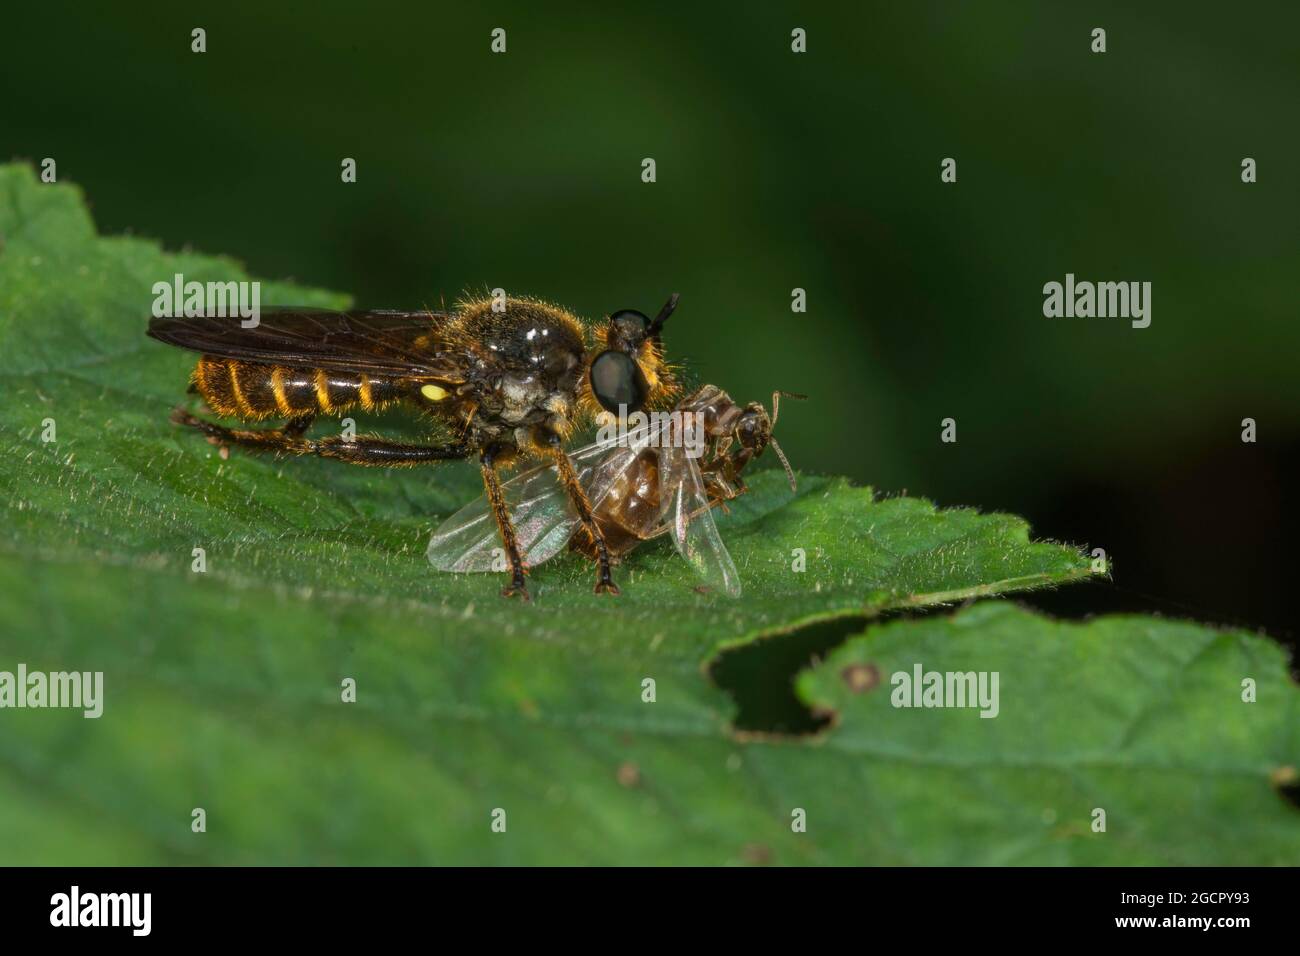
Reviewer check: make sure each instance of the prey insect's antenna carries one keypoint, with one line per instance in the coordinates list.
(776, 411)
(657, 325)
(789, 472)
(776, 406)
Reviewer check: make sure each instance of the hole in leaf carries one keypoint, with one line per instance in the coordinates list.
(760, 676)
(1286, 780)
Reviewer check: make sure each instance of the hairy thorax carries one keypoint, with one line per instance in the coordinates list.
(527, 368)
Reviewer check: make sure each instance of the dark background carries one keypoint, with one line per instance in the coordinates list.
(778, 170)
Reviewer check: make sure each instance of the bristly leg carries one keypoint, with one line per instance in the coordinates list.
(569, 478)
(492, 486)
(288, 440)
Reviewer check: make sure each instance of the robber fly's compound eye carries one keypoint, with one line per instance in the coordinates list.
(617, 380)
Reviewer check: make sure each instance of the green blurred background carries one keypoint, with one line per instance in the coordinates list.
(776, 171)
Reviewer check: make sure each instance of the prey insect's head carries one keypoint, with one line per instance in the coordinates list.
(753, 430)
(628, 372)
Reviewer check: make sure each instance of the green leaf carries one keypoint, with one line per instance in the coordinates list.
(223, 688)
(1140, 717)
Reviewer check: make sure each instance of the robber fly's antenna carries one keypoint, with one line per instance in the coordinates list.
(776, 404)
(657, 325)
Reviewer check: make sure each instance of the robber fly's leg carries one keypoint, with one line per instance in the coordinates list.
(285, 438)
(288, 440)
(569, 478)
(492, 485)
(377, 451)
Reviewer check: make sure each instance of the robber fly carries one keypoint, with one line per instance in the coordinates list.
(507, 380)
(641, 485)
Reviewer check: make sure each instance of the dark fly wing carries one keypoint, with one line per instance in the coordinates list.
(407, 344)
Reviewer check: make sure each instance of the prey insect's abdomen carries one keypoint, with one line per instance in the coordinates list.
(248, 390)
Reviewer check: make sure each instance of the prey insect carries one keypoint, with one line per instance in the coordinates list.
(641, 485)
(503, 380)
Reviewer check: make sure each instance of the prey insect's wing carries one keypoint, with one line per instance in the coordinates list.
(469, 540)
(689, 518)
(543, 516)
(540, 509)
(408, 344)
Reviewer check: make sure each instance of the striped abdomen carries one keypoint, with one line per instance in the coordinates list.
(236, 389)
